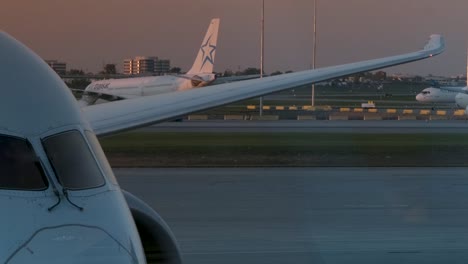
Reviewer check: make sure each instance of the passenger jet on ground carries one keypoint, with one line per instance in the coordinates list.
(201, 74)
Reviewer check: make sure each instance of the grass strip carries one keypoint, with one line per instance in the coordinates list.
(202, 149)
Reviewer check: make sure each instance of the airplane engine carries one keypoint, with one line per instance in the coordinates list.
(158, 242)
(461, 100)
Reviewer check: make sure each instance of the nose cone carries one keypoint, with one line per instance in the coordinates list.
(72, 244)
(419, 97)
(34, 98)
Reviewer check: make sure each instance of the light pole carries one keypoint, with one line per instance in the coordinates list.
(314, 54)
(262, 45)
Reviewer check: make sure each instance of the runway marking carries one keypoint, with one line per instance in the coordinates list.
(404, 252)
(250, 252)
(373, 206)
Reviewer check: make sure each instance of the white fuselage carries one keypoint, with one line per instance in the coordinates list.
(61, 201)
(129, 88)
(141, 86)
(436, 95)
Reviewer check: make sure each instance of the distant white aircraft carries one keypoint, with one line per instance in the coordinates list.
(439, 95)
(442, 94)
(201, 74)
(61, 201)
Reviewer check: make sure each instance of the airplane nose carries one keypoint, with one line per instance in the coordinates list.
(419, 97)
(71, 244)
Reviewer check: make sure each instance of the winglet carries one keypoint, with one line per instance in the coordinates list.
(436, 44)
(205, 59)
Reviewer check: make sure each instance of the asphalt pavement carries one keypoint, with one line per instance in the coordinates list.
(310, 215)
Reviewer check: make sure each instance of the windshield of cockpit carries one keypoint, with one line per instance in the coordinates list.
(72, 161)
(20, 168)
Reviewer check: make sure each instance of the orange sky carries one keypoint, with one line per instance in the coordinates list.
(88, 33)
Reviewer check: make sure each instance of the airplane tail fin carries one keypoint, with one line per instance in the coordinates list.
(206, 55)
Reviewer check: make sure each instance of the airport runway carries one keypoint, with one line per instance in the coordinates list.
(310, 215)
(316, 126)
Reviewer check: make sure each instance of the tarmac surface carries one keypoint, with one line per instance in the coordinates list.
(315, 126)
(310, 215)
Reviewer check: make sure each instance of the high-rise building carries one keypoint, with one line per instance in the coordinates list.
(146, 65)
(59, 67)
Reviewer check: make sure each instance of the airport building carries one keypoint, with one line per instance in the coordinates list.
(146, 65)
(59, 67)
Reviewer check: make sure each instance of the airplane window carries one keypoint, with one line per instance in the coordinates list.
(20, 168)
(72, 160)
(101, 157)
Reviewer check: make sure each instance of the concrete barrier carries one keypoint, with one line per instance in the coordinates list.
(264, 118)
(234, 117)
(198, 117)
(338, 117)
(438, 117)
(407, 117)
(306, 117)
(372, 117)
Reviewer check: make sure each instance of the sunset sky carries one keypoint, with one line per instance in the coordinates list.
(88, 33)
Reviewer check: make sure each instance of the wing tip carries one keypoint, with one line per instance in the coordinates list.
(436, 44)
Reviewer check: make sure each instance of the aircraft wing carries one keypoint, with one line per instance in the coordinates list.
(124, 115)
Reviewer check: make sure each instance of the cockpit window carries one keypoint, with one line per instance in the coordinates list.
(101, 157)
(20, 168)
(72, 160)
(426, 92)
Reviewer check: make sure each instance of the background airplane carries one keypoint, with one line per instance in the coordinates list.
(201, 74)
(437, 94)
(64, 203)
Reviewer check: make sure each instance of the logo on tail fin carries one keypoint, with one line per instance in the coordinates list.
(207, 49)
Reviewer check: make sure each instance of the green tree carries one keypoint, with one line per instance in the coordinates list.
(79, 83)
(109, 69)
(175, 70)
(75, 72)
(276, 73)
(228, 73)
(251, 71)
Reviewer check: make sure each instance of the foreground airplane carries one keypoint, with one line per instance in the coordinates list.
(201, 74)
(62, 203)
